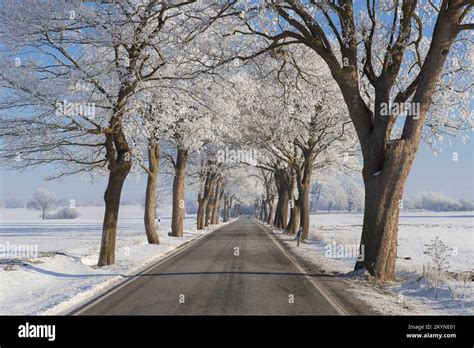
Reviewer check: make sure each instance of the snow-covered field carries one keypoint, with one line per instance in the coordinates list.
(64, 274)
(413, 292)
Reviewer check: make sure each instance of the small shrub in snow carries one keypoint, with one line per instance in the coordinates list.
(438, 252)
(64, 213)
(463, 291)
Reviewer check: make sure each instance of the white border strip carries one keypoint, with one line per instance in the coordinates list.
(332, 301)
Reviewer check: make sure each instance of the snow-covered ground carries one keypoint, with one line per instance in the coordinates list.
(56, 270)
(413, 292)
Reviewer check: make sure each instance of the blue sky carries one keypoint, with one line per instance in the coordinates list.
(430, 173)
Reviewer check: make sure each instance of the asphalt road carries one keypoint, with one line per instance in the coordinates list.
(213, 277)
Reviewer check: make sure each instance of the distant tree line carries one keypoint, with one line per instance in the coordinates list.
(437, 201)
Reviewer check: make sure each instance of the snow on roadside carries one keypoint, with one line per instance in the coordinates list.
(412, 293)
(64, 275)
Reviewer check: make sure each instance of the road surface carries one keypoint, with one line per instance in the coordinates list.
(236, 270)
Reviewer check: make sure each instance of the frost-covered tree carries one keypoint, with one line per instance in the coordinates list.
(267, 201)
(190, 130)
(44, 201)
(69, 74)
(81, 66)
(402, 67)
(211, 186)
(218, 177)
(145, 130)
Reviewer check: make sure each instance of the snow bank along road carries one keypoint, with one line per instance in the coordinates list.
(238, 269)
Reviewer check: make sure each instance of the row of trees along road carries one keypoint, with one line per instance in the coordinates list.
(78, 79)
(382, 55)
(113, 88)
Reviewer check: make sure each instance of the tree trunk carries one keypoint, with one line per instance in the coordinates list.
(218, 216)
(226, 208)
(200, 214)
(150, 198)
(177, 216)
(112, 205)
(290, 228)
(216, 212)
(237, 209)
(383, 193)
(231, 199)
(264, 215)
(234, 210)
(217, 201)
(271, 213)
(294, 222)
(229, 208)
(203, 200)
(208, 212)
(119, 165)
(281, 214)
(304, 186)
(210, 204)
(304, 211)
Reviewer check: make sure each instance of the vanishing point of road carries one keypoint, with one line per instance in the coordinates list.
(238, 269)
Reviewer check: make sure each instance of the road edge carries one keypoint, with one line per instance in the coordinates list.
(335, 287)
(327, 296)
